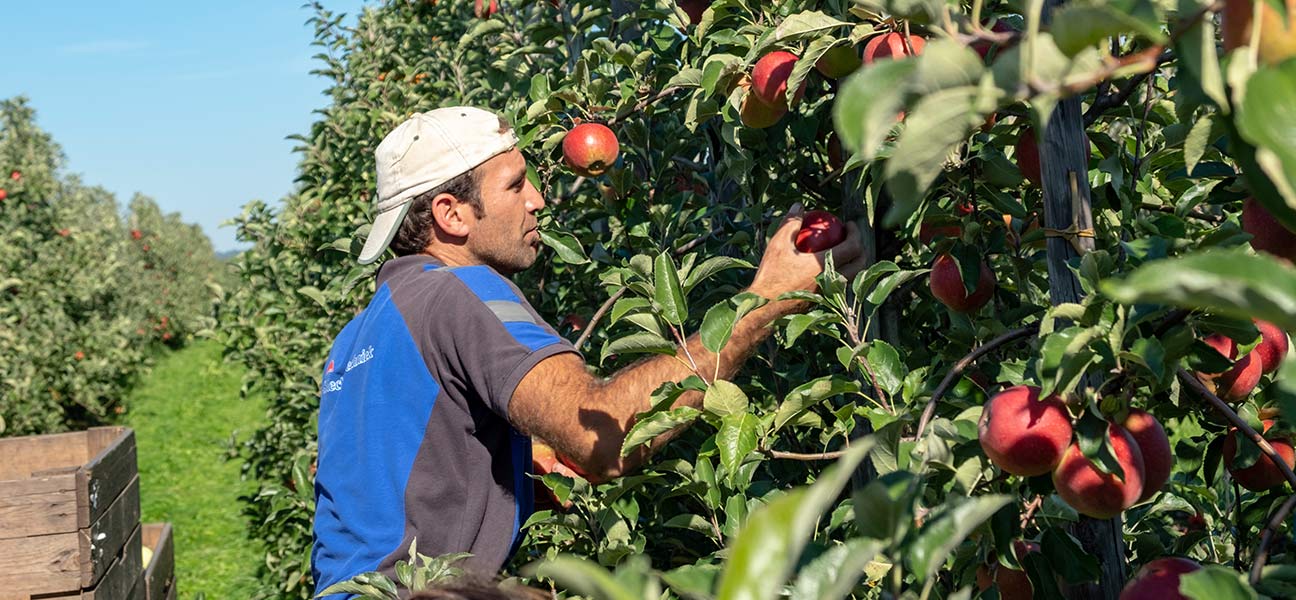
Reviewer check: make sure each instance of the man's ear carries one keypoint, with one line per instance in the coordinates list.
(452, 216)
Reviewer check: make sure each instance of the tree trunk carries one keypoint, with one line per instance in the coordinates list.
(1064, 164)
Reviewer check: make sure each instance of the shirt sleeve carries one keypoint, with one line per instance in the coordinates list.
(494, 335)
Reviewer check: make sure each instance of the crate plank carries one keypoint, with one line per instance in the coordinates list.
(160, 572)
(47, 563)
(33, 454)
(41, 506)
(119, 583)
(103, 540)
(112, 465)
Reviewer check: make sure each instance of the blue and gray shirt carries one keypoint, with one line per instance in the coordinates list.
(414, 436)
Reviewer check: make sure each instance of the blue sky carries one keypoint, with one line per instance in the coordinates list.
(186, 102)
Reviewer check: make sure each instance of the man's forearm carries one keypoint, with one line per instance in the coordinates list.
(630, 389)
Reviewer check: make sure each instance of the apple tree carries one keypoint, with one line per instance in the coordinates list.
(1064, 369)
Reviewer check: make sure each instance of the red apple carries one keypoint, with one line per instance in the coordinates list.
(984, 47)
(136, 234)
(820, 230)
(1022, 434)
(1264, 474)
(79, 355)
(758, 115)
(1277, 40)
(1159, 580)
(839, 62)
(770, 78)
(694, 9)
(1235, 384)
(1272, 347)
(1094, 493)
(1013, 583)
(590, 148)
(16, 175)
(1158, 458)
(545, 460)
(1028, 157)
(892, 45)
(929, 231)
(1267, 234)
(947, 285)
(484, 9)
(3, 194)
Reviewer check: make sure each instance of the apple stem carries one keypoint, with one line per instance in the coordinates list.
(964, 363)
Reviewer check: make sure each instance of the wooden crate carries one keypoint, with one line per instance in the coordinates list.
(159, 574)
(69, 506)
(123, 579)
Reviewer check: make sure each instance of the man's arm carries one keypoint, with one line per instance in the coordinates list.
(586, 418)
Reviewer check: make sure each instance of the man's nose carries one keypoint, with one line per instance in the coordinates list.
(535, 200)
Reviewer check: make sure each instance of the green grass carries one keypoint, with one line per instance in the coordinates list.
(183, 414)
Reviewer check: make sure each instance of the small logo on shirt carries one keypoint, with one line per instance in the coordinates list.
(330, 367)
(361, 358)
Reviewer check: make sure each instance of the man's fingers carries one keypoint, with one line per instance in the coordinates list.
(848, 249)
(791, 222)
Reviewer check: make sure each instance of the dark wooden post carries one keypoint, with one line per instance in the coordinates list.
(1064, 164)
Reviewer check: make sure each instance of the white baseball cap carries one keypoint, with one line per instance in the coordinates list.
(425, 151)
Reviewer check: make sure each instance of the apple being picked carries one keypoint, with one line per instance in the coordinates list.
(590, 149)
(820, 230)
(770, 78)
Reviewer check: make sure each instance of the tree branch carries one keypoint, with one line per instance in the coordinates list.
(1267, 537)
(805, 457)
(964, 363)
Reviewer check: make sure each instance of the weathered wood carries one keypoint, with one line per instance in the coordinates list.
(31, 454)
(103, 541)
(113, 464)
(41, 506)
(1064, 164)
(47, 563)
(69, 503)
(159, 574)
(119, 583)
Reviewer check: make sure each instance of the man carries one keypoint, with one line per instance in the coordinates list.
(430, 396)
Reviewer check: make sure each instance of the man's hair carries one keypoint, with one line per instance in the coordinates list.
(415, 231)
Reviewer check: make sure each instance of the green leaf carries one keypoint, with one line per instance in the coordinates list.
(667, 292)
(1215, 582)
(833, 574)
(1083, 24)
(809, 394)
(1230, 283)
(884, 507)
(710, 267)
(638, 343)
(766, 550)
(939, 123)
(688, 77)
(1197, 54)
(887, 366)
(868, 102)
(371, 585)
(566, 245)
(693, 581)
(315, 295)
(582, 576)
(1267, 119)
(945, 532)
(805, 25)
(647, 429)
(1199, 137)
(724, 399)
(735, 440)
(717, 326)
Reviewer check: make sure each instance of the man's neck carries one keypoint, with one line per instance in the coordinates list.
(451, 256)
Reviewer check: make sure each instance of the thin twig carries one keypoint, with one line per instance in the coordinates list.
(1192, 214)
(1031, 509)
(607, 304)
(644, 104)
(964, 363)
(1267, 537)
(805, 457)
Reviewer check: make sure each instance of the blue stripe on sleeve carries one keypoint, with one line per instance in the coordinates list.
(530, 335)
(485, 283)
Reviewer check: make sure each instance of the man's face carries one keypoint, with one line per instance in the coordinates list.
(506, 237)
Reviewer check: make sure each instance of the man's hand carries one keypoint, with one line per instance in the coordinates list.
(784, 269)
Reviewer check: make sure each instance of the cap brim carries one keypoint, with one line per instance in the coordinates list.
(381, 234)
